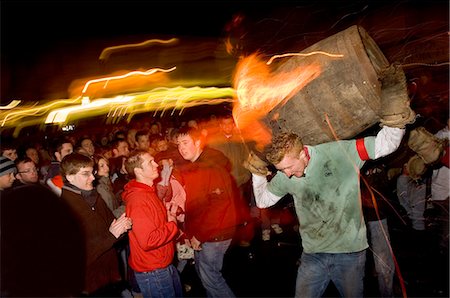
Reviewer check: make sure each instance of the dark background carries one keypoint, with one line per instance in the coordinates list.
(46, 45)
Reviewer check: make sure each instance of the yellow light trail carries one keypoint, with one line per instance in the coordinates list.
(60, 115)
(11, 105)
(303, 55)
(132, 73)
(19, 113)
(159, 100)
(107, 51)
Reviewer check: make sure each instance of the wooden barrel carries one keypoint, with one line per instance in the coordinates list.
(347, 90)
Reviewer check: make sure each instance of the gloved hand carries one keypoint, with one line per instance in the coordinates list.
(256, 165)
(428, 147)
(416, 167)
(395, 110)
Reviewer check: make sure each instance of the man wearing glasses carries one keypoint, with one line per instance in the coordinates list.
(27, 172)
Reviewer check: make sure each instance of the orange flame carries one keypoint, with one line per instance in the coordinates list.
(259, 90)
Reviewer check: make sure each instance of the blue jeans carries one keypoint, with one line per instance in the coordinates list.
(316, 270)
(208, 264)
(160, 282)
(382, 255)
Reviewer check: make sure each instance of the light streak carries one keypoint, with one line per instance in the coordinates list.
(60, 115)
(132, 73)
(107, 51)
(19, 113)
(11, 105)
(304, 55)
(158, 99)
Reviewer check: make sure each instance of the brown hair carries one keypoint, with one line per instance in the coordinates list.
(194, 133)
(97, 158)
(72, 163)
(283, 144)
(134, 160)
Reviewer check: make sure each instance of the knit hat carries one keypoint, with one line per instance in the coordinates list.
(6, 166)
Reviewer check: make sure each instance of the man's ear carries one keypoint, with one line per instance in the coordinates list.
(302, 154)
(197, 144)
(137, 172)
(70, 178)
(115, 152)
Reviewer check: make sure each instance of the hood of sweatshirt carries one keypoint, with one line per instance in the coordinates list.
(134, 187)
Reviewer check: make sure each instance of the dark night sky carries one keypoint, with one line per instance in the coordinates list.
(30, 30)
(43, 23)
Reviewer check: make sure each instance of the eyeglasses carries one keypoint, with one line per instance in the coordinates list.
(88, 174)
(29, 171)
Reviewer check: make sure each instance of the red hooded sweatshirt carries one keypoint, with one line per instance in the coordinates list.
(152, 236)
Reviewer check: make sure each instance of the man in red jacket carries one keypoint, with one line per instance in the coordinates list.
(210, 210)
(154, 230)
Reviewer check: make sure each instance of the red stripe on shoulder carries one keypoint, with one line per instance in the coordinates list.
(361, 148)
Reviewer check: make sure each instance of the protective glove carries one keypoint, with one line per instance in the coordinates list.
(395, 109)
(416, 167)
(428, 147)
(256, 165)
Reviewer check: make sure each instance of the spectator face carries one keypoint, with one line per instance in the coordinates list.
(103, 168)
(67, 148)
(143, 143)
(189, 149)
(149, 168)
(192, 123)
(10, 153)
(33, 154)
(122, 149)
(227, 126)
(161, 146)
(27, 173)
(131, 136)
(83, 179)
(88, 146)
(6, 181)
(154, 129)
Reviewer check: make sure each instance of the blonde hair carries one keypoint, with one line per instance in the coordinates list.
(283, 144)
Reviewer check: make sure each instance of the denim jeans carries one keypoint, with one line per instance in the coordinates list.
(160, 283)
(380, 245)
(208, 264)
(316, 270)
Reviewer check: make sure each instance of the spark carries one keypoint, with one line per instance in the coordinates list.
(107, 51)
(304, 55)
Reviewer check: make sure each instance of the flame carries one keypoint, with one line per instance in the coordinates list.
(259, 90)
(228, 46)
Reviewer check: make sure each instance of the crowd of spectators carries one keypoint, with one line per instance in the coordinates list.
(150, 195)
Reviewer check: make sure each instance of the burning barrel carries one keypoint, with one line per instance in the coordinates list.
(347, 90)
